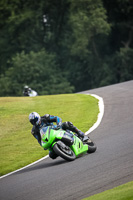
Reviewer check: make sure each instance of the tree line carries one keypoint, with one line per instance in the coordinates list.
(64, 46)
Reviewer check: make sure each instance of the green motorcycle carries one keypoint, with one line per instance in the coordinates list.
(65, 144)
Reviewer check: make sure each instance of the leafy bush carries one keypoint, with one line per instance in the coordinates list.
(37, 70)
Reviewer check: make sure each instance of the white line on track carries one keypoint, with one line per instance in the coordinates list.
(100, 115)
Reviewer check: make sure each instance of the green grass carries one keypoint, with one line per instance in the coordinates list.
(123, 192)
(17, 146)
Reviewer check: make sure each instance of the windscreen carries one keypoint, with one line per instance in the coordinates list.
(43, 131)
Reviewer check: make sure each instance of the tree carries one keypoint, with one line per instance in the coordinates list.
(88, 22)
(120, 15)
(21, 29)
(122, 60)
(90, 40)
(37, 70)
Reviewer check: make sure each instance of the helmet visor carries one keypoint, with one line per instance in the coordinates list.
(33, 121)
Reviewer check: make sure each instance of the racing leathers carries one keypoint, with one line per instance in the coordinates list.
(48, 120)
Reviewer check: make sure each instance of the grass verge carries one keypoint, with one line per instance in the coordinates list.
(17, 146)
(122, 192)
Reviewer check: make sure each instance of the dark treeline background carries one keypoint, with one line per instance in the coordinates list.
(64, 46)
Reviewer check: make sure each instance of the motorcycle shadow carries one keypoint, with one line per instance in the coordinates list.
(41, 165)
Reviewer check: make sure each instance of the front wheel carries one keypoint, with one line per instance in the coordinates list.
(64, 151)
(91, 146)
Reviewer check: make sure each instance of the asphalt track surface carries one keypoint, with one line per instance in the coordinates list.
(111, 165)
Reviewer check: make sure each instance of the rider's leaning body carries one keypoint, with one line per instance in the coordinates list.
(37, 121)
(46, 120)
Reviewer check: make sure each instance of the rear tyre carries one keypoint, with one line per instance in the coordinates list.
(64, 152)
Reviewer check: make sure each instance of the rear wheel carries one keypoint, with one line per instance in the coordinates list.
(64, 151)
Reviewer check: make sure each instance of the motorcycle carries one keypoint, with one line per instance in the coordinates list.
(65, 144)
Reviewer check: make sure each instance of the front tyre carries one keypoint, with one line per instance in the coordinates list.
(91, 146)
(64, 152)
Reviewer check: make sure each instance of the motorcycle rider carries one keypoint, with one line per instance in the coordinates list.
(26, 90)
(29, 92)
(37, 121)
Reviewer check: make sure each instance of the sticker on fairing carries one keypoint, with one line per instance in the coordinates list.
(42, 134)
(61, 133)
(43, 143)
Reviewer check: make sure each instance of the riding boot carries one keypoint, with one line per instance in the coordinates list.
(79, 133)
(52, 155)
(69, 125)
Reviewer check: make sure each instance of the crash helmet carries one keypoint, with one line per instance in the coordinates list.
(26, 88)
(34, 118)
